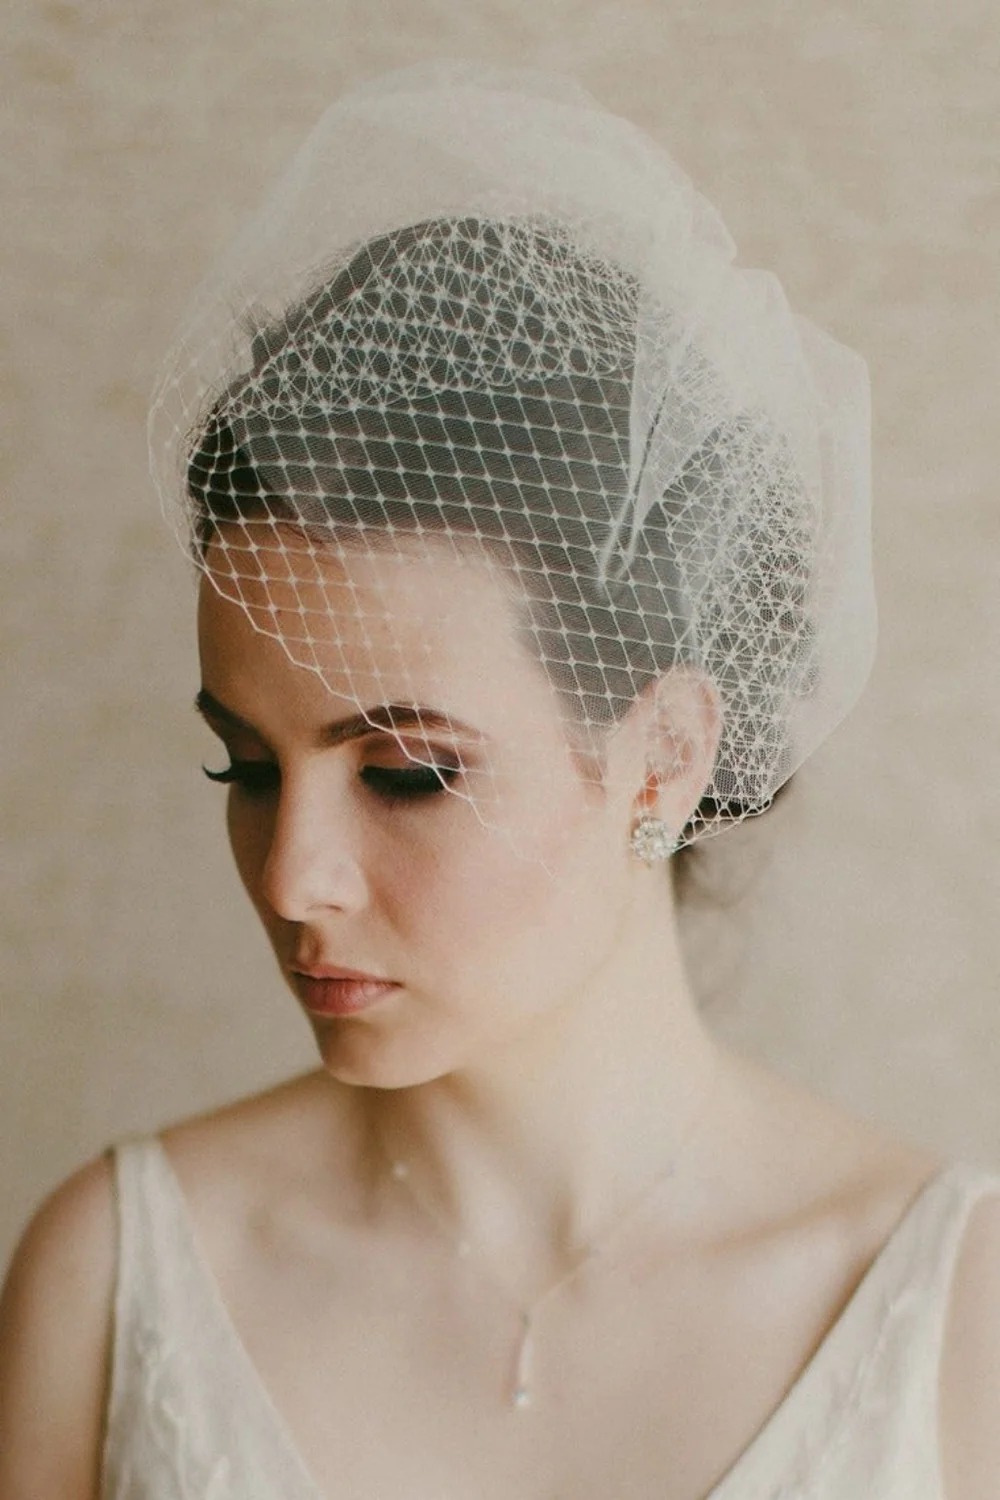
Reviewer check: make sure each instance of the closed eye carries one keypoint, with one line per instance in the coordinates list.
(257, 778)
(260, 778)
(398, 785)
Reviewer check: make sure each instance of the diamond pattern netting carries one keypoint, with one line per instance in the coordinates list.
(565, 398)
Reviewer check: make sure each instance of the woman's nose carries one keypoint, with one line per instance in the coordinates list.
(313, 862)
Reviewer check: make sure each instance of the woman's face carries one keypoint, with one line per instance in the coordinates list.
(487, 909)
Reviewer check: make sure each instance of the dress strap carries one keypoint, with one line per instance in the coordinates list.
(933, 1240)
(129, 1162)
(187, 1414)
(862, 1416)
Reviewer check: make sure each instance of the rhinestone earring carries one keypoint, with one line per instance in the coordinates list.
(652, 841)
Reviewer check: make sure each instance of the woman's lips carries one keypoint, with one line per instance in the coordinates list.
(343, 994)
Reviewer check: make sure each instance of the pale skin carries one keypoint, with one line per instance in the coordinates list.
(541, 1063)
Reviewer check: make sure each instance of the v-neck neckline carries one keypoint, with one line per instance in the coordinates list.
(783, 1430)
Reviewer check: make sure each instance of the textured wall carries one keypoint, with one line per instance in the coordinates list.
(853, 149)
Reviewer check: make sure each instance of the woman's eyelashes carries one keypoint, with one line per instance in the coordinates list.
(398, 784)
(257, 778)
(262, 778)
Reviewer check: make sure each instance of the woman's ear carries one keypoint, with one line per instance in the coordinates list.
(681, 716)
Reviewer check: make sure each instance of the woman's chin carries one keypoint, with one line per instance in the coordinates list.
(375, 1062)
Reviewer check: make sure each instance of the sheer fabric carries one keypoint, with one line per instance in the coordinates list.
(479, 319)
(189, 1418)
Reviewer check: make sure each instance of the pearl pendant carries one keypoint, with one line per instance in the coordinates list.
(521, 1393)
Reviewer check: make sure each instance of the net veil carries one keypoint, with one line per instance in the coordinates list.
(485, 335)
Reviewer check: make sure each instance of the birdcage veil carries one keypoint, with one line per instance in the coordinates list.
(480, 318)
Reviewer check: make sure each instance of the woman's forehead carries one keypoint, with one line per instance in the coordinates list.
(359, 590)
(426, 624)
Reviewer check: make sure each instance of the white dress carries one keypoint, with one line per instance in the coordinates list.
(189, 1419)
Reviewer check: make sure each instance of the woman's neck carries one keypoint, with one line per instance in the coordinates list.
(538, 1150)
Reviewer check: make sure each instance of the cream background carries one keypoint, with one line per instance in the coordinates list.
(853, 149)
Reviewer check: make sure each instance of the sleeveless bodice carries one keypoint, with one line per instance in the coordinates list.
(189, 1418)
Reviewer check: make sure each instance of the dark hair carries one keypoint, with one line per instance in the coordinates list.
(351, 416)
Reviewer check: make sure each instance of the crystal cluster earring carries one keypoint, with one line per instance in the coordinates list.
(652, 841)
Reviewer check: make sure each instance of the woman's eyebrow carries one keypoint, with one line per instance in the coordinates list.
(210, 708)
(388, 717)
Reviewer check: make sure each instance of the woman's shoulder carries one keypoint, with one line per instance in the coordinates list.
(55, 1321)
(58, 1295)
(870, 1182)
(810, 1159)
(67, 1249)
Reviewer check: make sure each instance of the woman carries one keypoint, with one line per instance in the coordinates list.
(531, 537)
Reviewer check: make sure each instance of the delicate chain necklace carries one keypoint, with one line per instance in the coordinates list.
(520, 1391)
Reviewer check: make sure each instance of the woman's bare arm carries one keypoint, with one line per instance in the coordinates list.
(55, 1330)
